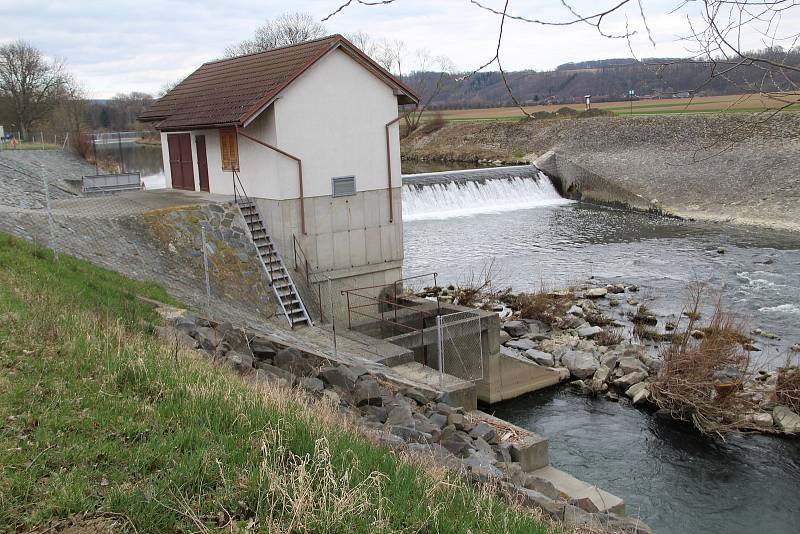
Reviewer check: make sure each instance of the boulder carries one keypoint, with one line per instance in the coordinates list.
(400, 415)
(615, 288)
(339, 376)
(377, 413)
(589, 331)
(239, 361)
(294, 361)
(609, 360)
(419, 396)
(483, 431)
(268, 378)
(630, 364)
(521, 344)
(455, 442)
(630, 379)
(632, 391)
(595, 293)
(761, 419)
(537, 330)
(786, 419)
(207, 338)
(276, 372)
(309, 383)
(439, 420)
(262, 348)
(515, 328)
(235, 337)
(173, 336)
(602, 374)
(641, 396)
(367, 392)
(410, 434)
(542, 358)
(580, 364)
(504, 337)
(575, 310)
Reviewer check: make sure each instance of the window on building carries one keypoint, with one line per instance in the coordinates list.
(229, 146)
(344, 186)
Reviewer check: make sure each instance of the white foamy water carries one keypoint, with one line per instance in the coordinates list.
(782, 308)
(451, 199)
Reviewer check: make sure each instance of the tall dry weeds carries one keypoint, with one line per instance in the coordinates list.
(702, 374)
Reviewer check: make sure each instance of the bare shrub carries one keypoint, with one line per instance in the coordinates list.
(434, 123)
(544, 305)
(477, 285)
(787, 388)
(701, 375)
(609, 337)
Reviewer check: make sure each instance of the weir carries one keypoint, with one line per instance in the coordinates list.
(441, 195)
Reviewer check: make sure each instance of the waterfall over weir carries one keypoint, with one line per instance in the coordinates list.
(441, 195)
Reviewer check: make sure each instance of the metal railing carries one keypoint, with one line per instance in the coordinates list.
(239, 194)
(302, 266)
(388, 307)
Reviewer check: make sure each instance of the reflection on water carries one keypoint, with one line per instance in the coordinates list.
(135, 157)
(669, 475)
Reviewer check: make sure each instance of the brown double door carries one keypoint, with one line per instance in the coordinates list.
(180, 161)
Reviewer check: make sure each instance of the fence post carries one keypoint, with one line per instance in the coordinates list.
(439, 349)
(49, 213)
(205, 268)
(333, 318)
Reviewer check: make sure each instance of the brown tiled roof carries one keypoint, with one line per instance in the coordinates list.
(231, 91)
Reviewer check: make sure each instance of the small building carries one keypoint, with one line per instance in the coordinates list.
(310, 134)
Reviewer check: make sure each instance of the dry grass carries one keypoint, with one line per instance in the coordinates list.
(544, 305)
(787, 388)
(609, 337)
(700, 377)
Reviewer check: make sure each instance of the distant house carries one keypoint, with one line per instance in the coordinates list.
(682, 94)
(310, 133)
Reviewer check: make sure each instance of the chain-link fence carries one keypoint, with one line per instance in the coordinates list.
(460, 346)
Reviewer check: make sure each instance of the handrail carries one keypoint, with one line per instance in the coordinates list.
(306, 273)
(235, 178)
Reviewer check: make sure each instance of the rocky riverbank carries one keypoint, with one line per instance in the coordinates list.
(609, 343)
(420, 422)
(722, 167)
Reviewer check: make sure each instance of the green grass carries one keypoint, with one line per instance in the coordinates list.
(100, 416)
(793, 107)
(30, 146)
(668, 105)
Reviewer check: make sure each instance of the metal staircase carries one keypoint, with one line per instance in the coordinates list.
(288, 297)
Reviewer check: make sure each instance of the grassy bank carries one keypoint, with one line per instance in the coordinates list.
(100, 418)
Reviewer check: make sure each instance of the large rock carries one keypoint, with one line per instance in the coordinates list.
(277, 372)
(630, 379)
(454, 441)
(632, 391)
(483, 431)
(589, 331)
(207, 338)
(339, 376)
(262, 348)
(521, 344)
(409, 434)
(786, 419)
(580, 364)
(294, 361)
(602, 374)
(542, 358)
(239, 361)
(515, 328)
(368, 392)
(595, 293)
(629, 364)
(400, 415)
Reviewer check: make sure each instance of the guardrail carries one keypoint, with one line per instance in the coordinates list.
(301, 265)
(111, 183)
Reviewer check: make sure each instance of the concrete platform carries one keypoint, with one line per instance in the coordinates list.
(576, 490)
(506, 377)
(458, 392)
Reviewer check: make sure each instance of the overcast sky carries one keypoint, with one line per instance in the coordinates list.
(139, 45)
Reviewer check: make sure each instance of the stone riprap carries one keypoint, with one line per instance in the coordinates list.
(22, 171)
(734, 167)
(403, 417)
(154, 236)
(602, 364)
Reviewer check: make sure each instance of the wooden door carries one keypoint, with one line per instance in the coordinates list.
(202, 162)
(180, 161)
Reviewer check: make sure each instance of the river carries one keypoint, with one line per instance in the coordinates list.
(675, 479)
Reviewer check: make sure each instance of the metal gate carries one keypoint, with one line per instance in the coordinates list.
(460, 346)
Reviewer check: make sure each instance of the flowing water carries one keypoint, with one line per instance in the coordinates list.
(673, 478)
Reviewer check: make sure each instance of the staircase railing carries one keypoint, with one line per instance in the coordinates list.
(239, 194)
(301, 265)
